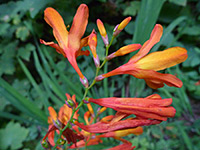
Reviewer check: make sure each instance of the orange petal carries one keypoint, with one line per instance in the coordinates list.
(124, 23)
(52, 44)
(124, 50)
(125, 146)
(102, 127)
(53, 18)
(122, 133)
(52, 113)
(78, 27)
(163, 59)
(155, 79)
(92, 42)
(154, 38)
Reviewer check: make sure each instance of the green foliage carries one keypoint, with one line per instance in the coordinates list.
(13, 135)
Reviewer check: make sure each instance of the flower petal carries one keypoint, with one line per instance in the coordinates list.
(78, 27)
(52, 113)
(125, 146)
(101, 127)
(155, 79)
(142, 107)
(163, 59)
(53, 18)
(52, 44)
(154, 38)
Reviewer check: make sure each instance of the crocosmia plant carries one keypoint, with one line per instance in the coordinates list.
(131, 113)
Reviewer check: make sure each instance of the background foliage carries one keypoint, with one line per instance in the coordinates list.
(34, 76)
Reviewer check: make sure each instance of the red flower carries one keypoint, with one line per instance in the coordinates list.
(114, 123)
(144, 66)
(153, 107)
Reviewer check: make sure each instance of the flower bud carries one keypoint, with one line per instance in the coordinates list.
(92, 42)
(73, 120)
(70, 103)
(102, 31)
(61, 141)
(86, 100)
(121, 26)
(45, 144)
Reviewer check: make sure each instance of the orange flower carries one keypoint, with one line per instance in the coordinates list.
(144, 66)
(69, 43)
(153, 107)
(114, 123)
(58, 122)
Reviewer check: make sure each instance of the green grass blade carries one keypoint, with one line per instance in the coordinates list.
(168, 30)
(72, 89)
(33, 82)
(27, 105)
(46, 79)
(146, 19)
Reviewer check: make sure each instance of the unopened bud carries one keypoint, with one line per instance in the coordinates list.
(45, 144)
(70, 103)
(57, 124)
(102, 31)
(61, 141)
(86, 100)
(121, 26)
(73, 120)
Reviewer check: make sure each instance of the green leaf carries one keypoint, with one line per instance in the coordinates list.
(179, 2)
(146, 19)
(193, 30)
(12, 136)
(4, 28)
(26, 52)
(22, 33)
(133, 8)
(4, 103)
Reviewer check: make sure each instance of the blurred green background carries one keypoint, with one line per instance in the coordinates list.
(34, 76)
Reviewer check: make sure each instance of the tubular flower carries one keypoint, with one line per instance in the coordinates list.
(69, 43)
(103, 32)
(150, 107)
(58, 122)
(92, 42)
(144, 66)
(117, 124)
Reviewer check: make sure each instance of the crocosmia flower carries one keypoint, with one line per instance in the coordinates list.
(58, 122)
(145, 66)
(69, 42)
(151, 107)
